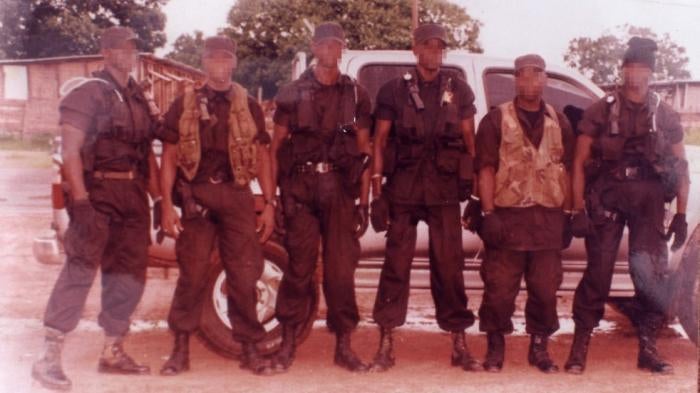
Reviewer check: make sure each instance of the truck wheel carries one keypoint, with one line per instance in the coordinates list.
(215, 327)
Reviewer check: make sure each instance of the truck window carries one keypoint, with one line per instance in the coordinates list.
(373, 76)
(563, 93)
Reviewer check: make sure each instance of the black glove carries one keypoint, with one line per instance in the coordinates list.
(472, 218)
(491, 230)
(679, 229)
(362, 212)
(567, 233)
(379, 214)
(580, 224)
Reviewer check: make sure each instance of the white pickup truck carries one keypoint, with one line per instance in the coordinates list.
(492, 82)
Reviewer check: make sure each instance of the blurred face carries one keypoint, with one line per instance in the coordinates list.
(530, 83)
(122, 58)
(219, 66)
(636, 76)
(327, 52)
(430, 53)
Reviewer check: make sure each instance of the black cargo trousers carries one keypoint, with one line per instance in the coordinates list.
(537, 259)
(318, 208)
(229, 223)
(446, 266)
(117, 242)
(639, 204)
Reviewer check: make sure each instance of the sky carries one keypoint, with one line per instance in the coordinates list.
(511, 27)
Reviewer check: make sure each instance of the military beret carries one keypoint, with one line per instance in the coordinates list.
(219, 43)
(114, 36)
(529, 60)
(427, 31)
(329, 31)
(640, 50)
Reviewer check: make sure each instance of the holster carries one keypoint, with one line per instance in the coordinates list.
(188, 205)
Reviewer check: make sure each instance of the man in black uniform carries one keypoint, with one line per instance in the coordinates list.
(629, 161)
(429, 170)
(109, 166)
(524, 150)
(321, 148)
(216, 144)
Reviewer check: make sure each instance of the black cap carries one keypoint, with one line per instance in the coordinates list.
(219, 43)
(114, 36)
(329, 31)
(427, 31)
(529, 60)
(640, 50)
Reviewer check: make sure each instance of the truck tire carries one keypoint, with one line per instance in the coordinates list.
(215, 327)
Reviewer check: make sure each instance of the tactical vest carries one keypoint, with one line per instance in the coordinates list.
(529, 176)
(614, 142)
(242, 150)
(324, 138)
(117, 134)
(414, 142)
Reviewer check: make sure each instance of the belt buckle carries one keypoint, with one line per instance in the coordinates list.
(323, 167)
(631, 172)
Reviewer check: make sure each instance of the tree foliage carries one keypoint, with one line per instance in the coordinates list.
(600, 58)
(270, 32)
(46, 28)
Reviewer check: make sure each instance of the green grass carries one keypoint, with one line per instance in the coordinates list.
(692, 136)
(36, 142)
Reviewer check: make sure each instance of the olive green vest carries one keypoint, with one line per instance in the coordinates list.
(529, 176)
(242, 149)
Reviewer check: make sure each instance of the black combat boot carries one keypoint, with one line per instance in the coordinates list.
(649, 358)
(282, 360)
(179, 360)
(538, 355)
(48, 370)
(460, 353)
(576, 363)
(495, 352)
(345, 357)
(252, 360)
(115, 360)
(384, 358)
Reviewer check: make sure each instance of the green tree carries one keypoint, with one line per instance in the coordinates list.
(600, 58)
(270, 32)
(45, 28)
(187, 49)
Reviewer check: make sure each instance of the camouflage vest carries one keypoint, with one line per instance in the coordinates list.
(527, 175)
(242, 150)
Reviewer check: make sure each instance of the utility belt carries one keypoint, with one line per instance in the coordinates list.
(115, 175)
(315, 167)
(631, 173)
(219, 177)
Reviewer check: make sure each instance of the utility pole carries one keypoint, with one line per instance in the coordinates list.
(414, 14)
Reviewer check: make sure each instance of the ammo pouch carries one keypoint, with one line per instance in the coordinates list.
(447, 161)
(306, 146)
(612, 147)
(408, 154)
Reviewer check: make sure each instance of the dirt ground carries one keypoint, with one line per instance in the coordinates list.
(422, 351)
